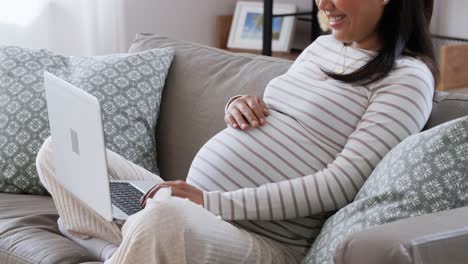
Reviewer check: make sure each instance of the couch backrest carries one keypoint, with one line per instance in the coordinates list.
(200, 81)
(448, 106)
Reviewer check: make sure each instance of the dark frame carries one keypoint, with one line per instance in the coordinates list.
(268, 23)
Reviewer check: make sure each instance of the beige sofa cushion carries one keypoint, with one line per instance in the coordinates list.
(200, 81)
(434, 238)
(29, 233)
(448, 106)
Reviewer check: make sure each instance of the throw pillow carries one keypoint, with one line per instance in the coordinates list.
(129, 87)
(425, 173)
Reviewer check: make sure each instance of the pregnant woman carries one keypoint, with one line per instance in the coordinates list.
(259, 191)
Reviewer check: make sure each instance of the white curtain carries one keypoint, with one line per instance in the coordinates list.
(70, 27)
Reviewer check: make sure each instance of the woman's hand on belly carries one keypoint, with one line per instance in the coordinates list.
(245, 110)
(178, 188)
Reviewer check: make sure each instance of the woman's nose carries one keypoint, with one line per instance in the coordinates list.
(324, 4)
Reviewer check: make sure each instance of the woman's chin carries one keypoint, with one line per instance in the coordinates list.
(340, 36)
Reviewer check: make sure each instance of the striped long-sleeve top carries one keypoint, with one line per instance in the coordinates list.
(321, 141)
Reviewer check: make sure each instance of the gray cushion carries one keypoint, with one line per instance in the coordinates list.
(425, 173)
(200, 81)
(129, 87)
(29, 233)
(23, 123)
(448, 106)
(430, 239)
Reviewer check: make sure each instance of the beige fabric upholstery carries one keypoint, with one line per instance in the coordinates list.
(201, 80)
(446, 107)
(29, 233)
(435, 238)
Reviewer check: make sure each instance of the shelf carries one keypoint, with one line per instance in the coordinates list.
(268, 23)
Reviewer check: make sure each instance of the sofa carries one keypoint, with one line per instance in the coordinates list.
(200, 81)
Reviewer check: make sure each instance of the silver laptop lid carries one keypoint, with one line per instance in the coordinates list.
(78, 142)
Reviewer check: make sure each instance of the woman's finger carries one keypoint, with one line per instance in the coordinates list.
(230, 121)
(265, 108)
(248, 114)
(148, 195)
(147, 192)
(152, 192)
(257, 109)
(238, 117)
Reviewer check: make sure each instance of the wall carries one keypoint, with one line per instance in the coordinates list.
(84, 27)
(195, 20)
(192, 20)
(89, 27)
(450, 18)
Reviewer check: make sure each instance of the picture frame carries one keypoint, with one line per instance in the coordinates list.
(247, 27)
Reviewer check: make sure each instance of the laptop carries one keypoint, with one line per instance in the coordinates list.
(80, 153)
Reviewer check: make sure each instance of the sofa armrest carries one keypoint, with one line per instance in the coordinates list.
(434, 238)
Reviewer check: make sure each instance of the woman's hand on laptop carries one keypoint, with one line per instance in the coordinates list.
(178, 188)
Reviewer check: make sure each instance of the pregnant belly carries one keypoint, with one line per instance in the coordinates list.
(281, 149)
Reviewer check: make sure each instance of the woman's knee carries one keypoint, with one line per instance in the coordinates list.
(45, 152)
(171, 215)
(44, 158)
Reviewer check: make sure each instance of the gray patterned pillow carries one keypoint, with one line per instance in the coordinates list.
(426, 173)
(129, 87)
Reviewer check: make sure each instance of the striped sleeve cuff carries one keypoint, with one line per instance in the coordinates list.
(242, 204)
(228, 205)
(211, 202)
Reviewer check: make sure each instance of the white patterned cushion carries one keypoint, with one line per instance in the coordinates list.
(129, 87)
(426, 173)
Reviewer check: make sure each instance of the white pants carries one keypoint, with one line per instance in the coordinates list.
(171, 231)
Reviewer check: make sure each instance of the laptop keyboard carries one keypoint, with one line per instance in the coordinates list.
(126, 197)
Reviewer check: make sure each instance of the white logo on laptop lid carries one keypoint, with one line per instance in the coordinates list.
(74, 141)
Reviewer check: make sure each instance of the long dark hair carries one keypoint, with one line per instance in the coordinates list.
(403, 30)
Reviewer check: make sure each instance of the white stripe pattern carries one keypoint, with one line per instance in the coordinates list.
(322, 140)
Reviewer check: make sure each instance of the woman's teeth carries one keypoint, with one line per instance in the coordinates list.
(335, 19)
